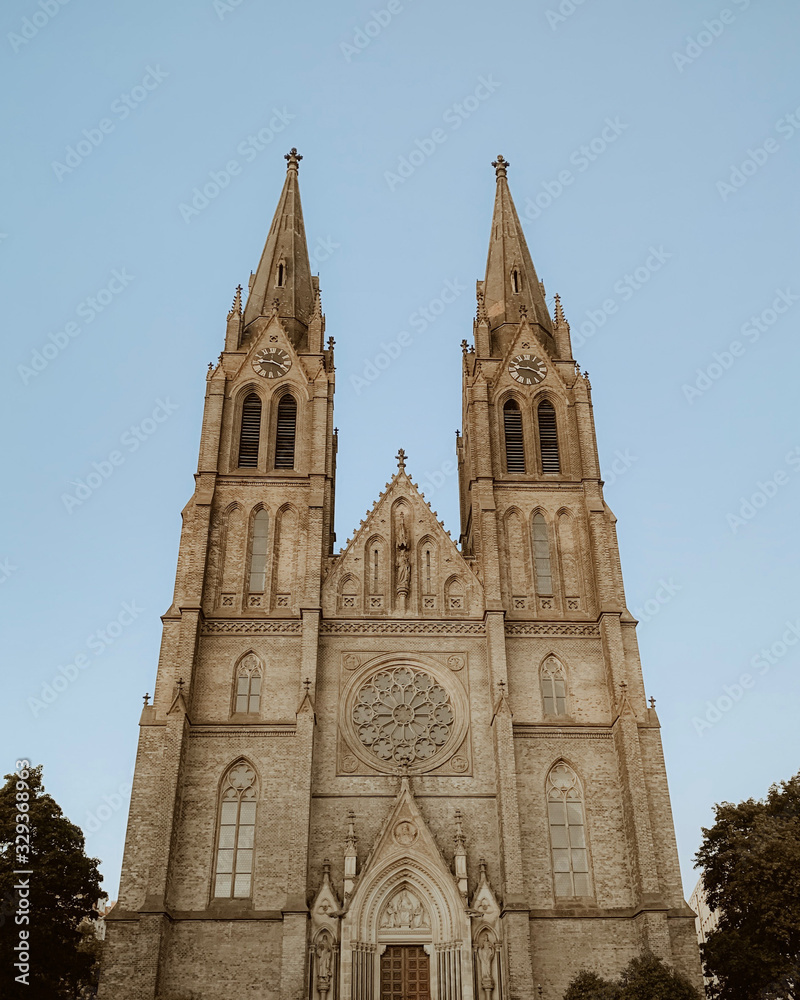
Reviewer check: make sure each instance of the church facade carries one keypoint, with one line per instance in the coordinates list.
(413, 769)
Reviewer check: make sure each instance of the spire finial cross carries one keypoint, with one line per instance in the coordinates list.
(401, 459)
(181, 682)
(500, 165)
(307, 684)
(292, 159)
(146, 699)
(652, 702)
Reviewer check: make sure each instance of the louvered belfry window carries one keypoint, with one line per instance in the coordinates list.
(548, 437)
(250, 433)
(285, 432)
(515, 447)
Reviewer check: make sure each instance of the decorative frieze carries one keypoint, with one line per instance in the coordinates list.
(216, 626)
(562, 732)
(401, 628)
(552, 628)
(237, 732)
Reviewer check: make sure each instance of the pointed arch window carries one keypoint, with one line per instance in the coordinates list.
(281, 276)
(248, 686)
(515, 444)
(233, 869)
(567, 833)
(516, 281)
(548, 437)
(554, 687)
(258, 553)
(285, 431)
(250, 433)
(541, 555)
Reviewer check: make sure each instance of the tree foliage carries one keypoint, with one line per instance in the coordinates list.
(643, 978)
(750, 859)
(589, 986)
(64, 889)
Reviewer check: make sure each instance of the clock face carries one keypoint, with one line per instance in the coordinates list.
(272, 362)
(527, 369)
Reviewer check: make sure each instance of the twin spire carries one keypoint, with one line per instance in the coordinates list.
(510, 290)
(283, 275)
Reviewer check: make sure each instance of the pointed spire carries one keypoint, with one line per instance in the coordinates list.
(284, 271)
(350, 856)
(460, 855)
(236, 308)
(562, 335)
(233, 334)
(511, 281)
(560, 320)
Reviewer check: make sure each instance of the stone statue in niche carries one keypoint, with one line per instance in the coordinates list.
(485, 954)
(404, 910)
(402, 560)
(324, 964)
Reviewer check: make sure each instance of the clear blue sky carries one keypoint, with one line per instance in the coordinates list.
(170, 93)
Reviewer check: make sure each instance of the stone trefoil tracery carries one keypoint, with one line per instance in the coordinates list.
(403, 715)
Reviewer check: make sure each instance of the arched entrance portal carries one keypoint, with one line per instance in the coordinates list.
(406, 933)
(406, 936)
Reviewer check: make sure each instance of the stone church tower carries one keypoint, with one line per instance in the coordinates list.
(412, 769)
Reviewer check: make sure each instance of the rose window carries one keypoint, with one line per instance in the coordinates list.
(403, 715)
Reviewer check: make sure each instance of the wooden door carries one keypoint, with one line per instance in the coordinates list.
(405, 973)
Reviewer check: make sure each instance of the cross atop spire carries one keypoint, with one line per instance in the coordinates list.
(284, 271)
(293, 159)
(500, 166)
(401, 460)
(511, 288)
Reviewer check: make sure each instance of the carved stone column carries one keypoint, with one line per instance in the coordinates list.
(448, 970)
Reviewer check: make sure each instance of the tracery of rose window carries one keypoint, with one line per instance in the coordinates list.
(403, 715)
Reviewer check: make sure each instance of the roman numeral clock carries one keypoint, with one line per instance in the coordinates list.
(527, 369)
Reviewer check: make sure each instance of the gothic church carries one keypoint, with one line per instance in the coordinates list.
(412, 770)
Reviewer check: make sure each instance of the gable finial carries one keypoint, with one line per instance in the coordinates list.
(401, 460)
(146, 699)
(293, 159)
(500, 165)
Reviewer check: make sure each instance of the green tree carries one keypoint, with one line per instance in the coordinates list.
(64, 888)
(589, 986)
(750, 859)
(648, 978)
(643, 978)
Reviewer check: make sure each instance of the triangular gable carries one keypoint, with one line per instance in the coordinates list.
(351, 587)
(406, 887)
